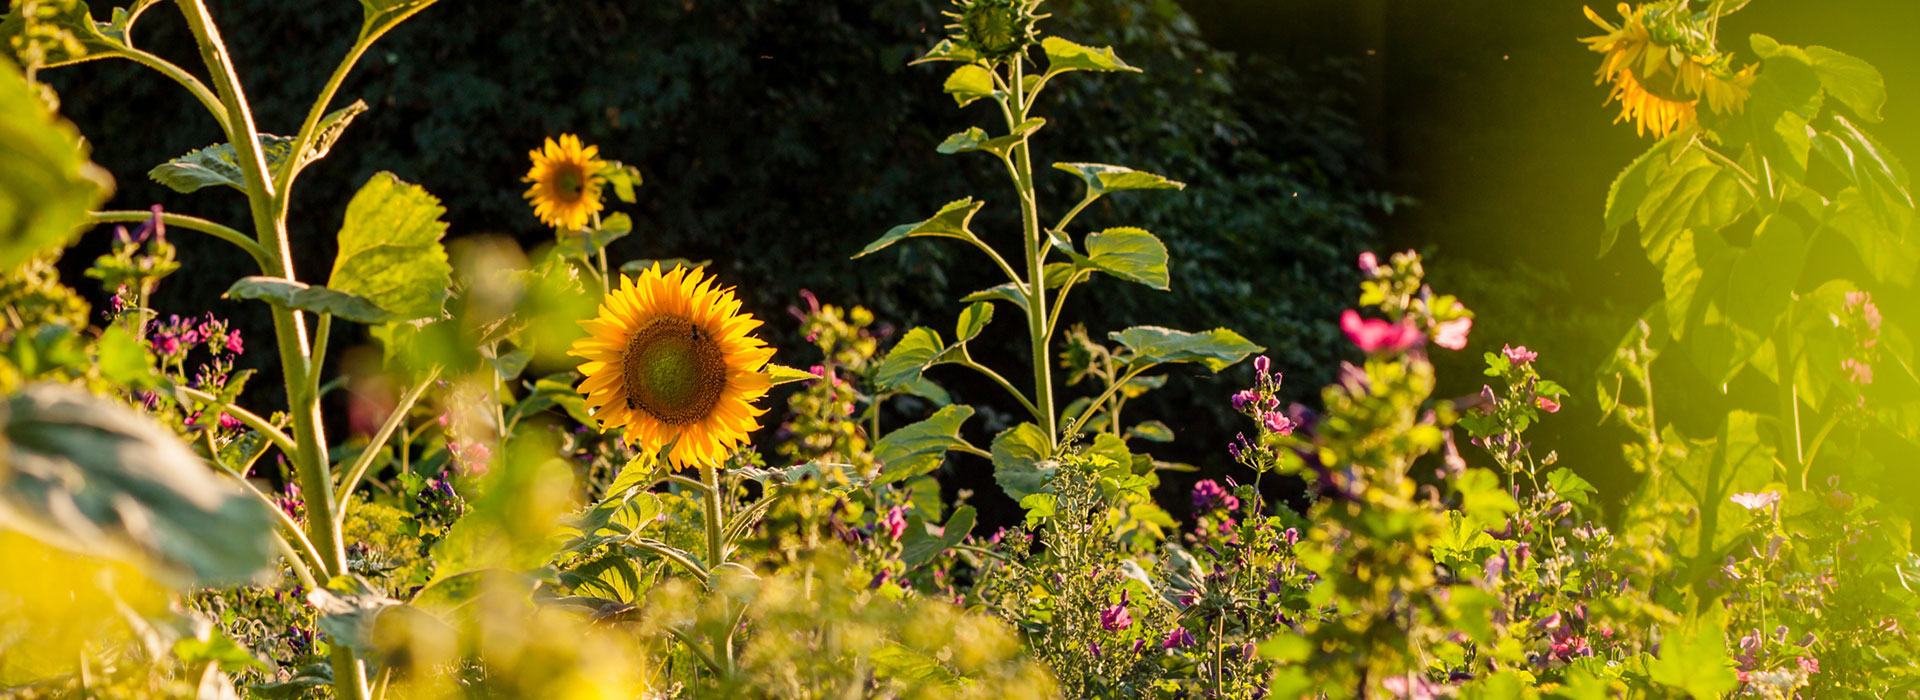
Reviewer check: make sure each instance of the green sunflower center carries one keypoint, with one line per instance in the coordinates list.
(673, 370)
(570, 181)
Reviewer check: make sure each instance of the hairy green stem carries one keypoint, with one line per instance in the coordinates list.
(716, 527)
(246, 417)
(186, 80)
(1036, 264)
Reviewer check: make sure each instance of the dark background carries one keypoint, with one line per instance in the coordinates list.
(779, 136)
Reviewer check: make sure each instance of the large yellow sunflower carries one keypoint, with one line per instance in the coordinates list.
(1661, 62)
(566, 183)
(671, 359)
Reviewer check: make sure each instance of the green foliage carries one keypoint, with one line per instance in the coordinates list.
(390, 249)
(49, 183)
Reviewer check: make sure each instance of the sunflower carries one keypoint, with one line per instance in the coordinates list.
(566, 183)
(1661, 62)
(670, 359)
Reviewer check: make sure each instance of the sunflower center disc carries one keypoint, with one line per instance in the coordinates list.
(674, 370)
(570, 182)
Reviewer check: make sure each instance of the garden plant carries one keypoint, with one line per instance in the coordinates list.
(488, 471)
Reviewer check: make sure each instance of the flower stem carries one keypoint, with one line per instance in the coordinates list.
(716, 541)
(1037, 329)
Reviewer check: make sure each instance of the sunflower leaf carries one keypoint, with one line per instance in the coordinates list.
(974, 319)
(1102, 178)
(976, 139)
(1129, 253)
(291, 294)
(49, 185)
(919, 349)
(219, 164)
(917, 449)
(968, 83)
(946, 50)
(782, 374)
(1217, 349)
(624, 178)
(951, 221)
(390, 249)
(382, 15)
(91, 39)
(1022, 463)
(1063, 56)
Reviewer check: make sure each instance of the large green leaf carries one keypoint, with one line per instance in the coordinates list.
(290, 294)
(1102, 178)
(1762, 281)
(390, 249)
(951, 221)
(1131, 254)
(919, 349)
(219, 164)
(1693, 658)
(1691, 192)
(1022, 463)
(1704, 483)
(968, 83)
(1629, 189)
(93, 476)
(1784, 97)
(1855, 83)
(972, 320)
(946, 50)
(1063, 56)
(1217, 349)
(917, 449)
(46, 184)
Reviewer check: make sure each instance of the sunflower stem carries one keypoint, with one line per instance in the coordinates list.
(1037, 326)
(716, 525)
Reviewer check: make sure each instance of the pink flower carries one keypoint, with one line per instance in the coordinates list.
(1452, 335)
(1278, 422)
(233, 342)
(1178, 638)
(1243, 398)
(1520, 355)
(1115, 618)
(1808, 664)
(1369, 264)
(895, 522)
(1756, 501)
(1862, 372)
(1546, 403)
(1261, 364)
(228, 422)
(1377, 336)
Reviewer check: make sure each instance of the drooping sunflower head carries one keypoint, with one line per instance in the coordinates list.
(671, 359)
(566, 183)
(996, 29)
(1661, 61)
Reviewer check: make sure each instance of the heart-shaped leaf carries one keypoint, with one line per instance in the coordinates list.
(390, 249)
(917, 449)
(951, 221)
(1063, 56)
(1131, 254)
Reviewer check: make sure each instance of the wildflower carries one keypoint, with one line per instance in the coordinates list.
(1756, 501)
(895, 522)
(1093, 649)
(672, 359)
(1411, 686)
(1452, 335)
(1547, 403)
(1233, 449)
(1369, 264)
(1520, 355)
(1179, 638)
(1862, 373)
(233, 342)
(1291, 535)
(1808, 664)
(1244, 398)
(566, 183)
(228, 422)
(1115, 618)
(1261, 365)
(1377, 336)
(1209, 494)
(1277, 422)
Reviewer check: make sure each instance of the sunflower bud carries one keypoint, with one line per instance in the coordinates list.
(995, 29)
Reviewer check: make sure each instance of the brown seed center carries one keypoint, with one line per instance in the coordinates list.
(673, 370)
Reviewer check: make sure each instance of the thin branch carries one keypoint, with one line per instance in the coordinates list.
(190, 223)
(248, 418)
(394, 420)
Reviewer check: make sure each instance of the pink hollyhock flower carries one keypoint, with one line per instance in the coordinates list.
(1808, 664)
(895, 522)
(1244, 398)
(1278, 422)
(1546, 403)
(228, 422)
(1369, 264)
(1520, 355)
(1756, 501)
(1261, 364)
(1177, 639)
(1862, 372)
(1377, 336)
(1115, 618)
(233, 342)
(1452, 335)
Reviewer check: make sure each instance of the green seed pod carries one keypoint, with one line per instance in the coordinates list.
(996, 29)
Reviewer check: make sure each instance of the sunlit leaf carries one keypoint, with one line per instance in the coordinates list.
(1855, 83)
(918, 448)
(48, 185)
(919, 349)
(1102, 178)
(390, 249)
(1022, 462)
(976, 139)
(951, 221)
(947, 50)
(1217, 349)
(968, 83)
(81, 37)
(290, 294)
(972, 320)
(382, 15)
(920, 545)
(1131, 254)
(782, 374)
(1063, 56)
(219, 164)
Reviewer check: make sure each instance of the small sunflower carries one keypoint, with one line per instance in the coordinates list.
(1661, 62)
(566, 183)
(996, 29)
(671, 359)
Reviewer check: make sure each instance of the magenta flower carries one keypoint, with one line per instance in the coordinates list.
(1244, 398)
(228, 422)
(1377, 336)
(895, 522)
(1808, 664)
(1209, 494)
(1520, 355)
(1115, 618)
(1756, 501)
(1452, 335)
(1546, 403)
(233, 342)
(1177, 639)
(1369, 264)
(1278, 422)
(1261, 364)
